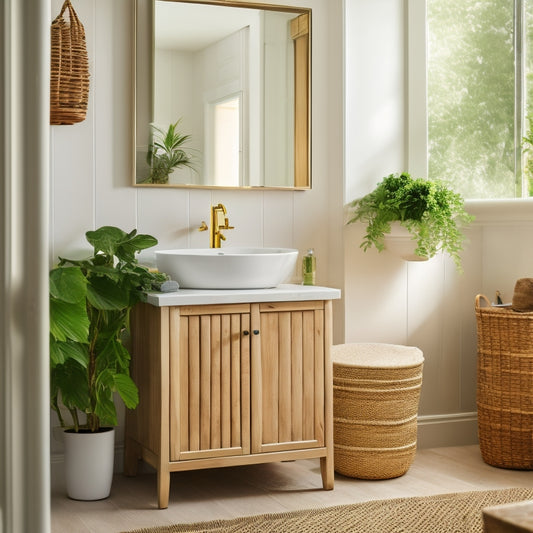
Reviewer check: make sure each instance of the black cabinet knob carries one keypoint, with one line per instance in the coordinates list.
(256, 332)
(246, 332)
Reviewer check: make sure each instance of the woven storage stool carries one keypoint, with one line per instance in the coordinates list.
(376, 389)
(504, 385)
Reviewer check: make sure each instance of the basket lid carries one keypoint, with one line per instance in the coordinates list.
(376, 355)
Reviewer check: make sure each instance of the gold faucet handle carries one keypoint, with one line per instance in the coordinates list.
(203, 227)
(226, 224)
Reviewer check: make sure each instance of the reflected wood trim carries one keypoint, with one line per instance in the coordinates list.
(300, 35)
(300, 26)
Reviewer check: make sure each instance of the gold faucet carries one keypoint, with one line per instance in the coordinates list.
(217, 221)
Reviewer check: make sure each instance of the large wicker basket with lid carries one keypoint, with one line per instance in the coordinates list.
(376, 391)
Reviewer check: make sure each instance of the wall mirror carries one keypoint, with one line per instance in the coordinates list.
(222, 95)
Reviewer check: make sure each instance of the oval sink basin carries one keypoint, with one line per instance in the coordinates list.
(227, 268)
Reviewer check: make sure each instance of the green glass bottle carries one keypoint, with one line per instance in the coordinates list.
(309, 267)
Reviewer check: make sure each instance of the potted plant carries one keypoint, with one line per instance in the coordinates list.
(90, 302)
(432, 214)
(166, 152)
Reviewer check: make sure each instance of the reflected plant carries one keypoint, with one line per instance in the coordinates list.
(166, 153)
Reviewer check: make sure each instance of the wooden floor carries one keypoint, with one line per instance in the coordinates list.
(270, 488)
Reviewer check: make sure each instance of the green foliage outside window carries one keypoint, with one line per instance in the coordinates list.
(527, 161)
(471, 94)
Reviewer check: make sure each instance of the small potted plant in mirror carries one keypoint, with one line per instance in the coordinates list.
(425, 214)
(90, 302)
(166, 152)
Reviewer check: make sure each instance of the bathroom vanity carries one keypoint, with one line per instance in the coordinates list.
(231, 377)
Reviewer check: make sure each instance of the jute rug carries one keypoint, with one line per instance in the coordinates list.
(445, 513)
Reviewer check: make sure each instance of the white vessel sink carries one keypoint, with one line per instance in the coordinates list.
(227, 268)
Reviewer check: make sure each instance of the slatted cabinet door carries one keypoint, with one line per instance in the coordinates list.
(288, 378)
(209, 381)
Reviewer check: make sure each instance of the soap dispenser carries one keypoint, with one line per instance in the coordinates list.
(309, 267)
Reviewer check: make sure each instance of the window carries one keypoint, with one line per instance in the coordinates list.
(480, 96)
(224, 142)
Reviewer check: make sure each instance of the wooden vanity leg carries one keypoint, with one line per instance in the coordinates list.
(327, 463)
(132, 454)
(163, 487)
(327, 471)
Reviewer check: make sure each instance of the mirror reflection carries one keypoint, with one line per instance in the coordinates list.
(228, 102)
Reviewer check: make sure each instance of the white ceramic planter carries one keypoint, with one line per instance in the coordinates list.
(400, 242)
(89, 459)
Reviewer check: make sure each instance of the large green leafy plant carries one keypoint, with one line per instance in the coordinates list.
(90, 302)
(166, 152)
(433, 214)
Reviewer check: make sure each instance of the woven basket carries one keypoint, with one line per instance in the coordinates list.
(69, 75)
(375, 410)
(505, 385)
(374, 463)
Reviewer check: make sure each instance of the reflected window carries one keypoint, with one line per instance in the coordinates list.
(224, 135)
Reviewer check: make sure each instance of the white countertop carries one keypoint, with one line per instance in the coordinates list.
(282, 293)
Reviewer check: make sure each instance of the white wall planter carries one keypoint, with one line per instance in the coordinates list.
(401, 243)
(89, 459)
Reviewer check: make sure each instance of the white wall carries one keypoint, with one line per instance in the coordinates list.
(173, 101)
(428, 305)
(91, 162)
(375, 92)
(222, 74)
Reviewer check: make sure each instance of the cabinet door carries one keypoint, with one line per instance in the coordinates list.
(288, 377)
(209, 382)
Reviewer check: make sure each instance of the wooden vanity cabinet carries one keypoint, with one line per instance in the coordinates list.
(230, 384)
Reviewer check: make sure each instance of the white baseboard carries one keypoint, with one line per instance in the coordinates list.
(454, 429)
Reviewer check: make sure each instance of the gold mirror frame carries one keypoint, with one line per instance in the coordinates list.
(300, 31)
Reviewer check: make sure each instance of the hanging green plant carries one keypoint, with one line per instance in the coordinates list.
(432, 213)
(166, 153)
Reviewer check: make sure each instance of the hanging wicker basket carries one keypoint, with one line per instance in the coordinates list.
(505, 385)
(69, 76)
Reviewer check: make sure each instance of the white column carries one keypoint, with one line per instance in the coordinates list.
(24, 191)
